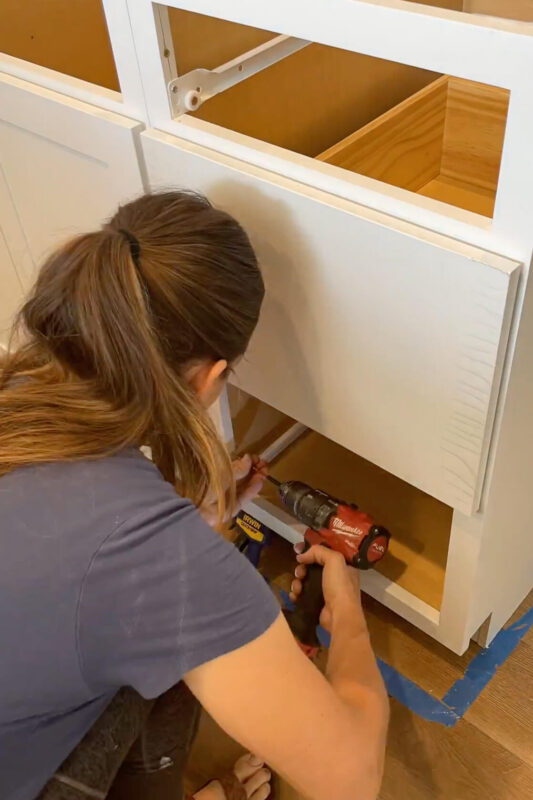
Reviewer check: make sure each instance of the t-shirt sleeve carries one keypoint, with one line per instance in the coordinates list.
(163, 594)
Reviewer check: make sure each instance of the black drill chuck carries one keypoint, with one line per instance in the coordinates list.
(312, 507)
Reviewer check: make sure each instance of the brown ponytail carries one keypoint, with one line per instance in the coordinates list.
(115, 318)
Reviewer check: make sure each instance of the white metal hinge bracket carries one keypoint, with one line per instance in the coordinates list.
(188, 92)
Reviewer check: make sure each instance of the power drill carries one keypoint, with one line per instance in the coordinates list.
(335, 524)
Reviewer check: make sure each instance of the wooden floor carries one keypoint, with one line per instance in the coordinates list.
(487, 755)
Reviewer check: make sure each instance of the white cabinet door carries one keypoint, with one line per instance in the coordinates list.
(11, 292)
(66, 166)
(382, 336)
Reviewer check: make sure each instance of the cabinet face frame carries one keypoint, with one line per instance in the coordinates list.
(128, 101)
(498, 52)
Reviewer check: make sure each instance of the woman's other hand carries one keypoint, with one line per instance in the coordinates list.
(249, 472)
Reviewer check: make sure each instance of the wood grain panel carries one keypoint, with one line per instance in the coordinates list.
(506, 712)
(473, 136)
(402, 147)
(69, 36)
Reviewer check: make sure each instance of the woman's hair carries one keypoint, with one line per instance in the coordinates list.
(113, 322)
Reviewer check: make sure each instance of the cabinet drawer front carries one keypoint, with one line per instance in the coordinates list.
(382, 336)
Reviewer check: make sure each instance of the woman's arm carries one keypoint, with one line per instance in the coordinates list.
(325, 736)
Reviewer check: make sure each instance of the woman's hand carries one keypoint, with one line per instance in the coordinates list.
(249, 473)
(340, 583)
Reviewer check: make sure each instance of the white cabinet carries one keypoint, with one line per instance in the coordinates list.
(383, 171)
(378, 153)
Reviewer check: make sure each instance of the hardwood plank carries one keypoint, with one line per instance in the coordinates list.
(425, 760)
(504, 710)
(524, 606)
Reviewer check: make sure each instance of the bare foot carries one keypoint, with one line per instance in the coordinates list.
(252, 774)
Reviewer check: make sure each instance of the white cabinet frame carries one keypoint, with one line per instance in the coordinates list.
(494, 51)
(484, 49)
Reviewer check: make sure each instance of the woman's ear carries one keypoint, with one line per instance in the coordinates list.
(207, 380)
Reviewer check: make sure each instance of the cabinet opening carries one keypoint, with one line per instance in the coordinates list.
(419, 524)
(434, 135)
(71, 38)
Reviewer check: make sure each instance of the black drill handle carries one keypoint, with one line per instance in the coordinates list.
(307, 609)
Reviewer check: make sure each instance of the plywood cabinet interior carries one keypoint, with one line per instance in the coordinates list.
(419, 524)
(439, 136)
(304, 103)
(70, 37)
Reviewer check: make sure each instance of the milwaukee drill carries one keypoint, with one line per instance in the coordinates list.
(334, 524)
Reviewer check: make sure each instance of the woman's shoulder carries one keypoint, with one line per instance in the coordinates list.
(75, 501)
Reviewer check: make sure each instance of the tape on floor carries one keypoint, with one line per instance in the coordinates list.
(483, 666)
(464, 691)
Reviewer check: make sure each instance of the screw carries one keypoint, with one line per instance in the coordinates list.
(166, 52)
(174, 90)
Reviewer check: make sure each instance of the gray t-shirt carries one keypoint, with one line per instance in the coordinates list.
(107, 579)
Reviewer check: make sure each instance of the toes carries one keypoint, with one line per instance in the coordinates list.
(257, 782)
(247, 766)
(263, 793)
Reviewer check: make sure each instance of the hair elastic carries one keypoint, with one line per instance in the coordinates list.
(135, 247)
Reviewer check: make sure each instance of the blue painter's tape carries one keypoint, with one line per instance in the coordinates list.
(416, 699)
(483, 666)
(398, 686)
(406, 692)
(464, 691)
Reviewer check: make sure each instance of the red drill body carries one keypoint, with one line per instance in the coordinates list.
(335, 524)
